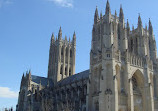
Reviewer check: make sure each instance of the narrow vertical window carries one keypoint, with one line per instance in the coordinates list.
(70, 53)
(70, 72)
(131, 45)
(65, 70)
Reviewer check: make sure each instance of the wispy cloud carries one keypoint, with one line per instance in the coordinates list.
(5, 2)
(63, 3)
(6, 92)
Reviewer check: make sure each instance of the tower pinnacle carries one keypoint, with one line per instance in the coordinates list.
(127, 24)
(121, 16)
(108, 10)
(139, 22)
(60, 34)
(150, 27)
(52, 38)
(96, 16)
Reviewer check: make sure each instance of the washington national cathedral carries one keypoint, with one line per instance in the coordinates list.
(123, 73)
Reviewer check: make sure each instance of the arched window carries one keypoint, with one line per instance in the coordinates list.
(131, 45)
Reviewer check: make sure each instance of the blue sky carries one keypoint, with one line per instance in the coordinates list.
(26, 27)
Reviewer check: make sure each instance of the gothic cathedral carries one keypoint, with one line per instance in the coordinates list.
(123, 74)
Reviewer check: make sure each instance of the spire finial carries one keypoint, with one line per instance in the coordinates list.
(150, 22)
(108, 11)
(65, 37)
(69, 38)
(115, 14)
(60, 33)
(133, 27)
(101, 15)
(146, 27)
(23, 76)
(52, 38)
(150, 27)
(30, 74)
(139, 21)
(128, 24)
(121, 15)
(74, 35)
(96, 16)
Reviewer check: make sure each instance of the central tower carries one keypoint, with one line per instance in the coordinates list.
(62, 55)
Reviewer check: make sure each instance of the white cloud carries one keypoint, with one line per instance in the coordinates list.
(63, 3)
(5, 92)
(5, 2)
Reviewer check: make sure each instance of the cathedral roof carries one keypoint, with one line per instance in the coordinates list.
(44, 81)
(75, 78)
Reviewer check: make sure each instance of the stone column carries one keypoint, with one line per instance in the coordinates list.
(130, 96)
(116, 93)
(115, 83)
(73, 58)
(68, 60)
(151, 97)
(64, 55)
(59, 64)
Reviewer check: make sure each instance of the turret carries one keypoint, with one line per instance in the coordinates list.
(74, 38)
(96, 16)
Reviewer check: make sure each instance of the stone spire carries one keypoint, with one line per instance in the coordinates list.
(60, 34)
(115, 14)
(69, 41)
(23, 76)
(74, 38)
(29, 74)
(52, 38)
(128, 27)
(108, 10)
(65, 39)
(96, 16)
(139, 22)
(121, 15)
(133, 27)
(150, 27)
(101, 15)
(146, 28)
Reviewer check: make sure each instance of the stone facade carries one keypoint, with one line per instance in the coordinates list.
(123, 74)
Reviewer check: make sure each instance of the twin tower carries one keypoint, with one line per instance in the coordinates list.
(61, 57)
